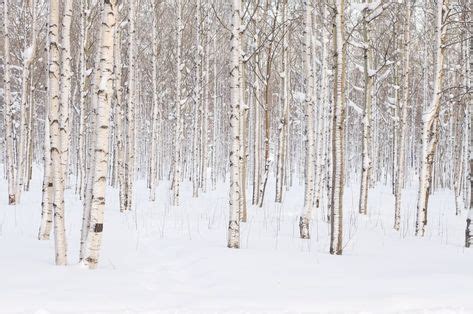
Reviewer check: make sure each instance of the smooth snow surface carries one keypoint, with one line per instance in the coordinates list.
(160, 259)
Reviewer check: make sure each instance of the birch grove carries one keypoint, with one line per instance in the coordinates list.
(315, 105)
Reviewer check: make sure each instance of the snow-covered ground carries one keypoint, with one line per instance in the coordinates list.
(160, 259)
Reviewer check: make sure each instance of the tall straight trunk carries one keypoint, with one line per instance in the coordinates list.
(66, 77)
(178, 131)
(304, 220)
(205, 118)
(8, 113)
(430, 119)
(94, 237)
(401, 156)
(81, 150)
(366, 122)
(235, 80)
(131, 104)
(197, 105)
(469, 220)
(55, 134)
(25, 108)
(283, 127)
(156, 111)
(338, 154)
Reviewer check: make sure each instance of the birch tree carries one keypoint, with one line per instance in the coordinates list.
(338, 173)
(401, 157)
(8, 113)
(235, 80)
(430, 120)
(104, 94)
(304, 219)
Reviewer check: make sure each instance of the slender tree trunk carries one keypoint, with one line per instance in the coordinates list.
(66, 77)
(366, 122)
(401, 156)
(156, 125)
(235, 77)
(178, 131)
(56, 134)
(94, 237)
(304, 220)
(283, 127)
(338, 154)
(431, 122)
(8, 112)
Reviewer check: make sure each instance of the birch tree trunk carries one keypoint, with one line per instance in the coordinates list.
(366, 122)
(28, 57)
(304, 220)
(178, 132)
(401, 156)
(338, 154)
(66, 77)
(8, 113)
(156, 110)
(83, 38)
(131, 103)
(283, 127)
(430, 119)
(469, 220)
(56, 135)
(94, 237)
(235, 77)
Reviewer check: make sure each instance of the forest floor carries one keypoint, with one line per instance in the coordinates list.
(160, 259)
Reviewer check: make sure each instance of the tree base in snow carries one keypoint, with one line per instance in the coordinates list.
(11, 199)
(233, 234)
(304, 228)
(468, 234)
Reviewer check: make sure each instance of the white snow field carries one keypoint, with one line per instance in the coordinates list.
(160, 259)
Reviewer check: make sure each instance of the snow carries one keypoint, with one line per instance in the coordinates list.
(161, 259)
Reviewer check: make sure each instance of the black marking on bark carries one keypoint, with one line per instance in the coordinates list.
(98, 228)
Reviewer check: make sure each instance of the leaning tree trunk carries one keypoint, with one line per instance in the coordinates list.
(306, 215)
(235, 79)
(431, 122)
(338, 155)
(104, 95)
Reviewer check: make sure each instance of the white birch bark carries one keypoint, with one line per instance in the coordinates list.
(469, 114)
(366, 164)
(304, 220)
(336, 215)
(283, 126)
(94, 237)
(8, 113)
(178, 132)
(156, 109)
(430, 119)
(66, 77)
(401, 157)
(28, 57)
(55, 134)
(235, 77)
